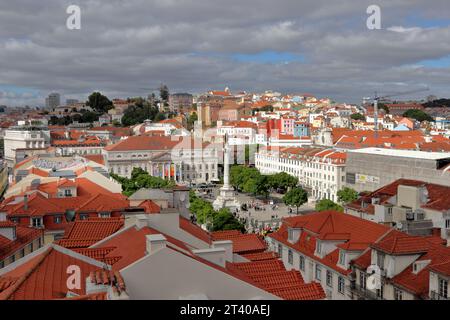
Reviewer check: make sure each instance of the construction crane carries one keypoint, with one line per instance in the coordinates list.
(377, 98)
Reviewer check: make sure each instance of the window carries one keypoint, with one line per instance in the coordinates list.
(443, 288)
(290, 257)
(301, 263)
(104, 214)
(341, 257)
(2, 264)
(12, 259)
(68, 192)
(329, 278)
(447, 223)
(318, 247)
(83, 216)
(318, 272)
(280, 250)
(36, 222)
(380, 292)
(380, 260)
(398, 294)
(57, 219)
(22, 253)
(30, 246)
(362, 280)
(341, 285)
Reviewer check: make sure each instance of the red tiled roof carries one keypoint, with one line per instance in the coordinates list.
(310, 291)
(355, 233)
(130, 245)
(194, 230)
(272, 276)
(260, 256)
(98, 158)
(242, 243)
(24, 235)
(83, 233)
(402, 244)
(44, 277)
(437, 194)
(150, 206)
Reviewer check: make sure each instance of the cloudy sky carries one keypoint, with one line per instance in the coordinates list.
(127, 47)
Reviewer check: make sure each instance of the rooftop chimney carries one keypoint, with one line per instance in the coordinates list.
(8, 230)
(155, 242)
(25, 202)
(214, 255)
(228, 246)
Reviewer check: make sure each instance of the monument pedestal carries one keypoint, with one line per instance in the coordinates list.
(226, 199)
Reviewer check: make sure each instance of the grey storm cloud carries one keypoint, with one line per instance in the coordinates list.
(125, 46)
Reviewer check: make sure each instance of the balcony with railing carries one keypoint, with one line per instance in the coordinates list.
(436, 296)
(362, 293)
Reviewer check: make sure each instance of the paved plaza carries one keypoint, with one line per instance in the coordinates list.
(261, 211)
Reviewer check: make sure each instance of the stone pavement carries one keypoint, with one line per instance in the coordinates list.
(268, 213)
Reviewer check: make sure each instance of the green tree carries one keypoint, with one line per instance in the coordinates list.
(419, 115)
(99, 102)
(141, 179)
(295, 197)
(160, 116)
(164, 92)
(191, 120)
(347, 195)
(384, 107)
(224, 220)
(282, 180)
(358, 116)
(326, 204)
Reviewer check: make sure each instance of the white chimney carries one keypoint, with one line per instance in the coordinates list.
(8, 230)
(25, 202)
(155, 242)
(214, 255)
(141, 221)
(228, 246)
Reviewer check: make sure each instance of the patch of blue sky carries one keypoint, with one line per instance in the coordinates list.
(18, 89)
(436, 63)
(273, 57)
(269, 57)
(420, 21)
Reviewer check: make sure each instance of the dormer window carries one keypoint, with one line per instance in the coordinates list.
(380, 260)
(443, 288)
(68, 193)
(318, 247)
(104, 214)
(342, 257)
(36, 222)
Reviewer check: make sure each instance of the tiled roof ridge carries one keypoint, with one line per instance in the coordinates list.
(5, 295)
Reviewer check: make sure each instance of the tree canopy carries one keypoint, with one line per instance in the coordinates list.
(164, 92)
(419, 115)
(282, 180)
(191, 120)
(141, 179)
(215, 220)
(295, 197)
(99, 102)
(346, 195)
(137, 113)
(358, 116)
(326, 204)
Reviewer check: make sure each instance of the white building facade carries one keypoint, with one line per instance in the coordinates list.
(320, 171)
